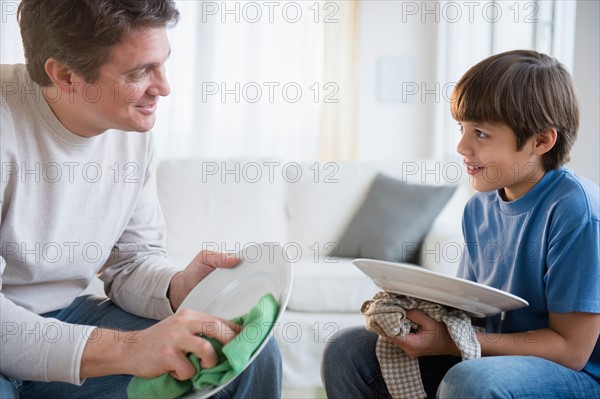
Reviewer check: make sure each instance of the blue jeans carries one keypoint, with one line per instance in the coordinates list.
(262, 378)
(350, 370)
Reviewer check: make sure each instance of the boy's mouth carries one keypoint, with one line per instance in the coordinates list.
(473, 169)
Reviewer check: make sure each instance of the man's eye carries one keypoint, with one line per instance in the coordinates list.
(139, 74)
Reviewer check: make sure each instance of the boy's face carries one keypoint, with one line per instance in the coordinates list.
(490, 153)
(128, 87)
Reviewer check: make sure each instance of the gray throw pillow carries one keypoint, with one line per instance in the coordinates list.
(393, 220)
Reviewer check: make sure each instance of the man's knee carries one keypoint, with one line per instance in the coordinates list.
(7, 389)
(270, 355)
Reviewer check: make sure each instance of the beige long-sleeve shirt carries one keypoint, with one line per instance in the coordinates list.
(71, 207)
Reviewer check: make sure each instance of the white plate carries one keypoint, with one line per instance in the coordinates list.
(476, 299)
(228, 293)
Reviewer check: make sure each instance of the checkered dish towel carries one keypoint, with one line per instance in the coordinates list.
(386, 316)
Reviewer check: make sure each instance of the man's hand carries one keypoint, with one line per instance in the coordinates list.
(204, 263)
(431, 338)
(158, 349)
(164, 347)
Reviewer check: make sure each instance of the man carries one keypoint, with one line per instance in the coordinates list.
(78, 197)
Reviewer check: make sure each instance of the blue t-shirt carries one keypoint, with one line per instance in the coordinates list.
(543, 247)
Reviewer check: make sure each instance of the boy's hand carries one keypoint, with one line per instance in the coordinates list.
(430, 339)
(204, 263)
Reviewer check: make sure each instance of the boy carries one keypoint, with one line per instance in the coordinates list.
(532, 230)
(78, 197)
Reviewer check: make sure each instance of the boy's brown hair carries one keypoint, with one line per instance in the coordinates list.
(80, 34)
(526, 90)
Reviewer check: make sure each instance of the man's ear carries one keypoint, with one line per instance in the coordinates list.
(61, 76)
(544, 141)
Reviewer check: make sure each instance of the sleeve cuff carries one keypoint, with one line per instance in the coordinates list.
(162, 305)
(65, 351)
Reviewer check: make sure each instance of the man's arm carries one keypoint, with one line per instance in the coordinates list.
(138, 272)
(164, 347)
(158, 349)
(37, 348)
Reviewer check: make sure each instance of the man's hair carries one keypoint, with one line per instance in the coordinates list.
(526, 90)
(80, 34)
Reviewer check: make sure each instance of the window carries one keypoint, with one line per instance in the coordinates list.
(470, 31)
(246, 81)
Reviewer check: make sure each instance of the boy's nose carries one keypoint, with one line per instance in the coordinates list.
(464, 147)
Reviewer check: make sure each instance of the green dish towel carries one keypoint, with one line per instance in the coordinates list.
(233, 357)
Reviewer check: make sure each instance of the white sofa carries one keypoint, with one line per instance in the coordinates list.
(226, 205)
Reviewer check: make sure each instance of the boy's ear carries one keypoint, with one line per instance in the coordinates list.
(60, 75)
(544, 141)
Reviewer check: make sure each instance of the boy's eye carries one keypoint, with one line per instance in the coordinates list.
(461, 129)
(480, 134)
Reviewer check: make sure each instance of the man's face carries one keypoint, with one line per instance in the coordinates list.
(128, 87)
(490, 154)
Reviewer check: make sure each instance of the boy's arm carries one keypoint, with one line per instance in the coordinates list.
(568, 341)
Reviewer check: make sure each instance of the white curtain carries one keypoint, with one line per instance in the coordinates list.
(246, 81)
(11, 46)
(337, 139)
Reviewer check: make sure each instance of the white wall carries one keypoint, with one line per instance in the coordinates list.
(394, 130)
(585, 158)
(400, 130)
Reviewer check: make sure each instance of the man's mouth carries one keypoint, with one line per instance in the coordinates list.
(147, 108)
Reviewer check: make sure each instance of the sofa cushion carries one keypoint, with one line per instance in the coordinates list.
(216, 206)
(322, 198)
(321, 203)
(329, 284)
(393, 220)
